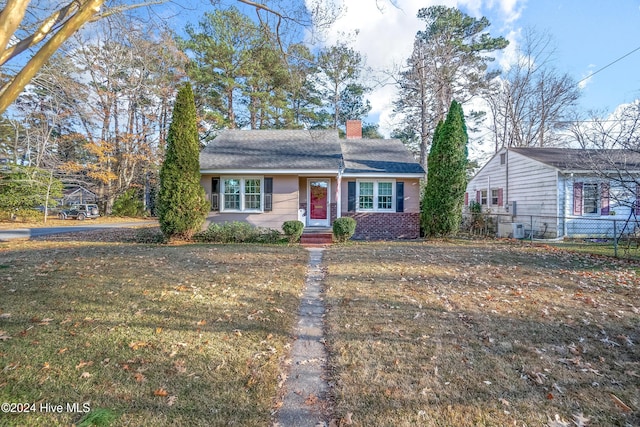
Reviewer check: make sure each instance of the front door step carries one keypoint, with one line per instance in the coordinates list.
(316, 238)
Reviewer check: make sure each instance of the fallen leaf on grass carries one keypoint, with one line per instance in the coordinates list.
(161, 392)
(171, 400)
(620, 403)
(83, 364)
(201, 322)
(139, 377)
(4, 336)
(85, 375)
(138, 344)
(5, 315)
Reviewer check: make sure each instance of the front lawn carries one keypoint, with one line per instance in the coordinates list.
(469, 333)
(145, 335)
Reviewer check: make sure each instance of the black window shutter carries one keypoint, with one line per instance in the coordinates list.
(215, 194)
(268, 194)
(351, 196)
(399, 196)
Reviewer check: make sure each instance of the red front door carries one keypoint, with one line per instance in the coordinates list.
(318, 202)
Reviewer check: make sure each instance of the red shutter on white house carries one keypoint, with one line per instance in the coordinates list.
(466, 198)
(604, 198)
(500, 202)
(577, 198)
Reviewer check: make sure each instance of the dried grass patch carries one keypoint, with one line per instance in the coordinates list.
(157, 335)
(475, 334)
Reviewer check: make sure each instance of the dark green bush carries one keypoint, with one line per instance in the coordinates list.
(129, 204)
(293, 230)
(237, 232)
(343, 228)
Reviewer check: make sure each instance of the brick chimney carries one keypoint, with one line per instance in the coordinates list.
(354, 129)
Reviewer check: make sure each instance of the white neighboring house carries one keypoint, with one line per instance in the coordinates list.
(560, 192)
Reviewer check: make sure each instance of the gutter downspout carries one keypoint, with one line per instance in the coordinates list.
(338, 190)
(506, 185)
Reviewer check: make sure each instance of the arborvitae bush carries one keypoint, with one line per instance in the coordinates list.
(182, 206)
(441, 205)
(344, 228)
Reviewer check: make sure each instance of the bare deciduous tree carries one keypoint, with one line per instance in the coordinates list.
(531, 101)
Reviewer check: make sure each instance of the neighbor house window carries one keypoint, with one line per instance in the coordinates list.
(375, 195)
(591, 198)
(242, 194)
(496, 197)
(482, 197)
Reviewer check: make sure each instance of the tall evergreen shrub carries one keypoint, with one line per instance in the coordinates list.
(446, 176)
(182, 205)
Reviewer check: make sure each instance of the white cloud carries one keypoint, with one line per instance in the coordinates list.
(386, 30)
(586, 77)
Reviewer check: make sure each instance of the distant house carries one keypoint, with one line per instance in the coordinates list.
(78, 195)
(266, 177)
(559, 192)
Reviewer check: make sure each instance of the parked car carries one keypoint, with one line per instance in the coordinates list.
(80, 212)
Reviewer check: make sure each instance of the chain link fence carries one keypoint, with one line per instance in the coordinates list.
(619, 237)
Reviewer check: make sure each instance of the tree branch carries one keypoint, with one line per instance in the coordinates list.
(12, 88)
(43, 31)
(10, 18)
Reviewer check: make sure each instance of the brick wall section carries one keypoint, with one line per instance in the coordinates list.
(334, 212)
(386, 226)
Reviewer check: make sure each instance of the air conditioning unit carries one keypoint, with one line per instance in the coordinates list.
(518, 230)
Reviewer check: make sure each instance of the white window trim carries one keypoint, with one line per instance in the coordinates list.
(598, 196)
(242, 180)
(486, 197)
(375, 195)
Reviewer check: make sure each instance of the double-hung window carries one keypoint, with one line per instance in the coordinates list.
(482, 196)
(376, 195)
(242, 194)
(591, 198)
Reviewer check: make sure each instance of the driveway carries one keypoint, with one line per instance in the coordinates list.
(27, 233)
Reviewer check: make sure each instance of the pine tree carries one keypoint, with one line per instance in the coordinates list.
(446, 176)
(182, 205)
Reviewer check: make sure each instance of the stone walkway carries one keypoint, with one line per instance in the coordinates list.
(305, 400)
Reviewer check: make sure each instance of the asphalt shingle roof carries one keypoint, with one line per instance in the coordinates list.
(305, 150)
(272, 149)
(581, 159)
(378, 155)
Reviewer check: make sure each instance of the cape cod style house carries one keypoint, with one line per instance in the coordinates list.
(559, 192)
(267, 177)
